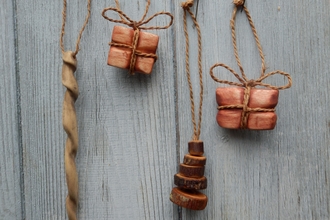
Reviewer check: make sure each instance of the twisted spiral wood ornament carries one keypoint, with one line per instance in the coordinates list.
(69, 119)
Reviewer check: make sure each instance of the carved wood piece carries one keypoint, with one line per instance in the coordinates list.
(189, 199)
(196, 148)
(192, 171)
(121, 56)
(259, 98)
(194, 160)
(69, 120)
(190, 183)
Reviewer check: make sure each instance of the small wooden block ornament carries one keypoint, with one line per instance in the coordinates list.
(120, 56)
(260, 101)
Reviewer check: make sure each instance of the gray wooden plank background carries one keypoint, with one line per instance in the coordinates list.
(134, 129)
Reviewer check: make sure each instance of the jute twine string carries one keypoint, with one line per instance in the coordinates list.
(244, 81)
(137, 26)
(197, 125)
(69, 118)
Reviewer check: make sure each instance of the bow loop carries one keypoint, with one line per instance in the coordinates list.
(251, 83)
(157, 27)
(127, 21)
(276, 72)
(243, 82)
(136, 24)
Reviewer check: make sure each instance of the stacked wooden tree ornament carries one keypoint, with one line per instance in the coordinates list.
(190, 179)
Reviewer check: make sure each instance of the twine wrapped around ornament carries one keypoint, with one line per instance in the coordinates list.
(244, 81)
(137, 26)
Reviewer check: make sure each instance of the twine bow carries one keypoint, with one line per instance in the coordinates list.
(137, 26)
(244, 81)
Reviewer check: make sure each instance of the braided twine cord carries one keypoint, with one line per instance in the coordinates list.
(197, 125)
(69, 118)
(244, 81)
(137, 27)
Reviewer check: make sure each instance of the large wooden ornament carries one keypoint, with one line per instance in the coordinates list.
(190, 179)
(259, 110)
(246, 106)
(122, 50)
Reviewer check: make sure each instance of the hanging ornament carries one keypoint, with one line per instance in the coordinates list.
(131, 48)
(69, 115)
(245, 106)
(190, 178)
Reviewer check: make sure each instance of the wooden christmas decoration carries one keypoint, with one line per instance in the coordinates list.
(131, 48)
(69, 119)
(121, 56)
(190, 178)
(245, 106)
(258, 113)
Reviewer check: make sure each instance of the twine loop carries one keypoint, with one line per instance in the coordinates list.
(196, 124)
(243, 80)
(136, 26)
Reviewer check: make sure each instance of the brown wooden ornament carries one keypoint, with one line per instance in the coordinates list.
(121, 50)
(131, 48)
(190, 179)
(260, 108)
(246, 106)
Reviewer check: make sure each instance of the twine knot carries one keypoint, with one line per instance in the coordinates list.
(250, 83)
(239, 2)
(134, 25)
(187, 4)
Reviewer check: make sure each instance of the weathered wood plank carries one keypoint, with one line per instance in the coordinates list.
(10, 193)
(127, 154)
(280, 174)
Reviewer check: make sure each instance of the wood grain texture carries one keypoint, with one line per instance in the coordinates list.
(127, 151)
(10, 193)
(134, 130)
(279, 174)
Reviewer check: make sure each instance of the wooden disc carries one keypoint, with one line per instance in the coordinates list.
(194, 160)
(189, 199)
(192, 171)
(196, 148)
(190, 183)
